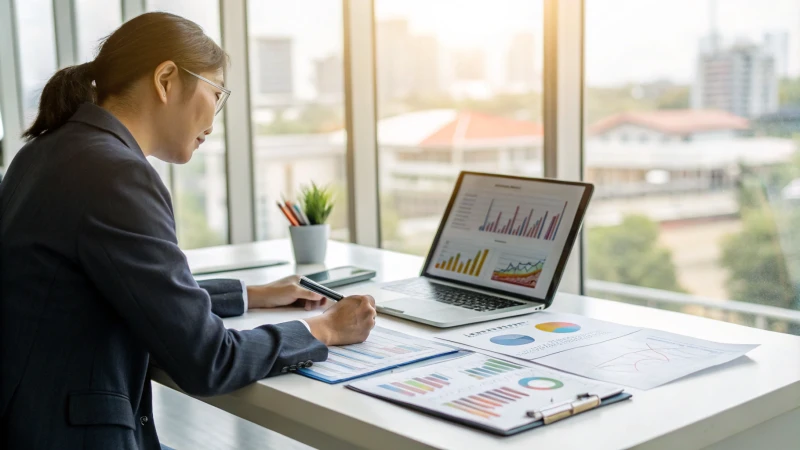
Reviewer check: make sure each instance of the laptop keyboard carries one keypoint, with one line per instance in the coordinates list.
(475, 301)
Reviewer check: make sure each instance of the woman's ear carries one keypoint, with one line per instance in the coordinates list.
(164, 79)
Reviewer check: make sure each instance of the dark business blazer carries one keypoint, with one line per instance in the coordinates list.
(93, 285)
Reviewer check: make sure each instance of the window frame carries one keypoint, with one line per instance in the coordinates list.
(562, 115)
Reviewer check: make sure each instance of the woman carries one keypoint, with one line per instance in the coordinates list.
(93, 281)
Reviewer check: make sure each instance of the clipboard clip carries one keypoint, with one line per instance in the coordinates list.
(583, 402)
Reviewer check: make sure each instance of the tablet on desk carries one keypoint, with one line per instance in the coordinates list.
(340, 276)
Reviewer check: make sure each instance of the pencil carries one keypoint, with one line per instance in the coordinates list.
(291, 212)
(289, 217)
(300, 214)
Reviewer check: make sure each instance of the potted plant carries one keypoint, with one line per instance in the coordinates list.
(310, 237)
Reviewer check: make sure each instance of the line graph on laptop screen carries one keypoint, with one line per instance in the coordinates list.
(507, 234)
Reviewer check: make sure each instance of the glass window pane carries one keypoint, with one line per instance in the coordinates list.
(37, 51)
(199, 187)
(455, 92)
(95, 19)
(691, 141)
(297, 100)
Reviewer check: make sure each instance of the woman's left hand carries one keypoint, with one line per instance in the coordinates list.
(284, 292)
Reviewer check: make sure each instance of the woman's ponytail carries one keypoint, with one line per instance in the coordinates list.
(61, 97)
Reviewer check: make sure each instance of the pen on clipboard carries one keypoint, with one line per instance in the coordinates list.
(313, 286)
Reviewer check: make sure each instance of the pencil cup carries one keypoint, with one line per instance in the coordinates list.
(310, 243)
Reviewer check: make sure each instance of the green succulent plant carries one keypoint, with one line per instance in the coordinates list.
(317, 203)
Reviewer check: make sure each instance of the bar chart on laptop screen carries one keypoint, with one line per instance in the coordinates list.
(463, 258)
(528, 217)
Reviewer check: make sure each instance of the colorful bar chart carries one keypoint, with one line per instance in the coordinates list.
(452, 260)
(421, 385)
(485, 403)
(490, 368)
(534, 225)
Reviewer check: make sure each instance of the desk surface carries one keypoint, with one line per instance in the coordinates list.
(693, 412)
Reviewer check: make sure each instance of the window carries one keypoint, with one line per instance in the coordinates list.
(297, 101)
(37, 51)
(199, 187)
(94, 20)
(466, 87)
(716, 217)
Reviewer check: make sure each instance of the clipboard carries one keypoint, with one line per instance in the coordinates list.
(548, 416)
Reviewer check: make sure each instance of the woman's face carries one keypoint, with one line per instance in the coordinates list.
(188, 116)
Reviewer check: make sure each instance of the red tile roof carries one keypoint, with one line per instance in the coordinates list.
(674, 121)
(471, 126)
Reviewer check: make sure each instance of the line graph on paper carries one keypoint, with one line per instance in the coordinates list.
(653, 354)
(645, 359)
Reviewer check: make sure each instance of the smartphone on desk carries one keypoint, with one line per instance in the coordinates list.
(340, 276)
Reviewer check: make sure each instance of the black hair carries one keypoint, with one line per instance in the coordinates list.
(135, 49)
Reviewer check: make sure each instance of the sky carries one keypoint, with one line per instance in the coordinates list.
(626, 40)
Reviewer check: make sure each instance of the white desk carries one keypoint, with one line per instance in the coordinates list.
(753, 402)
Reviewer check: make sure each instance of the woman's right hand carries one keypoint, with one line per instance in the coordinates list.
(348, 321)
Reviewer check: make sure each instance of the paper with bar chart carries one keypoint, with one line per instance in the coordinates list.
(384, 349)
(479, 389)
(538, 335)
(645, 359)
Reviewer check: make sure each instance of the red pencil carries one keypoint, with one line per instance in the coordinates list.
(289, 217)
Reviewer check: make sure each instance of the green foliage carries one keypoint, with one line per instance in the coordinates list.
(676, 97)
(628, 253)
(312, 119)
(526, 106)
(192, 227)
(317, 203)
(755, 261)
(755, 257)
(789, 92)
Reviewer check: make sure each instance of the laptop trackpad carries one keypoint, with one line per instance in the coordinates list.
(415, 306)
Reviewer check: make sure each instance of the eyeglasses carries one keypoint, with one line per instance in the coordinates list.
(222, 98)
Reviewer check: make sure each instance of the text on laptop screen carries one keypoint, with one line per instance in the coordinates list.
(506, 234)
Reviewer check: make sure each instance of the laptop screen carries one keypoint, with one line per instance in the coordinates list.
(507, 234)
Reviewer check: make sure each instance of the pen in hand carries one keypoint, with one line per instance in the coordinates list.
(313, 286)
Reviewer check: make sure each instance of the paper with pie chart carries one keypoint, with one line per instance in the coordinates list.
(537, 335)
(645, 359)
(481, 389)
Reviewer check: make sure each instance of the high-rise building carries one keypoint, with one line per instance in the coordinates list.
(329, 78)
(425, 62)
(408, 64)
(777, 45)
(740, 79)
(393, 54)
(274, 68)
(521, 64)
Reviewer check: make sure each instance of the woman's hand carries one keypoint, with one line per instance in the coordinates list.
(284, 292)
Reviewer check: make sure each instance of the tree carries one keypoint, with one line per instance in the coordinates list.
(755, 257)
(628, 253)
(755, 262)
(676, 97)
(192, 227)
(789, 92)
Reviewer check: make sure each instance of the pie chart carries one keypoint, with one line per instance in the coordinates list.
(512, 339)
(540, 383)
(558, 327)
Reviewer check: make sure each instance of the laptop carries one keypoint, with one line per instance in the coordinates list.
(500, 251)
